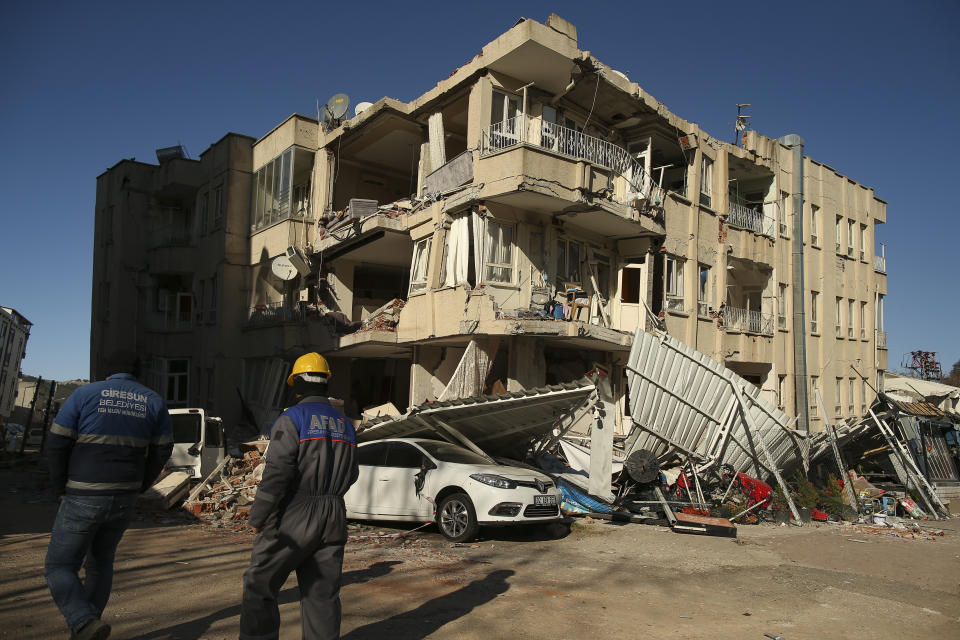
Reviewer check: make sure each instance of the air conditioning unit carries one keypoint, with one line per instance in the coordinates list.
(299, 260)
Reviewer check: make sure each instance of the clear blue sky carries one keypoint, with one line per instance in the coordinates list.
(872, 87)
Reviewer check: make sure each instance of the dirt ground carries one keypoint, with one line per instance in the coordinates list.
(177, 580)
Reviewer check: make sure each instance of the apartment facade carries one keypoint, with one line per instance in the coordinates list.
(534, 176)
(14, 333)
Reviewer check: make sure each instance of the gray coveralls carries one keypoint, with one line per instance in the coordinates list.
(311, 462)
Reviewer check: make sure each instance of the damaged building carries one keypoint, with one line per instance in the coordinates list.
(509, 229)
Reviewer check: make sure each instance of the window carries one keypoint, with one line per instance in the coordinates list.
(839, 314)
(851, 229)
(631, 283)
(706, 181)
(814, 312)
(850, 400)
(505, 117)
(815, 225)
(782, 307)
(850, 316)
(218, 205)
(201, 301)
(673, 275)
(814, 387)
(204, 206)
(863, 320)
(184, 310)
(498, 266)
(703, 290)
(418, 270)
(212, 309)
(781, 389)
(401, 454)
(837, 230)
(176, 382)
(837, 398)
(279, 190)
(568, 260)
(879, 322)
(784, 216)
(372, 455)
(863, 398)
(863, 243)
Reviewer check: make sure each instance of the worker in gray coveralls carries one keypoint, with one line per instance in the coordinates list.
(299, 515)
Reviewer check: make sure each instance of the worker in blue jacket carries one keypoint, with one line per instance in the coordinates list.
(107, 445)
(299, 514)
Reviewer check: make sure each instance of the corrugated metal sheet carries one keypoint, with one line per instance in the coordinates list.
(683, 402)
(500, 424)
(923, 409)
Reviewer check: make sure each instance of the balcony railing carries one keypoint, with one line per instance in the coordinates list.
(881, 339)
(279, 313)
(747, 321)
(744, 217)
(566, 142)
(880, 263)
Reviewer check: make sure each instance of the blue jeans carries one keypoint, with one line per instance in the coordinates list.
(87, 528)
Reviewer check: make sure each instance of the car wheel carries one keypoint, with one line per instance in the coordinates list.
(456, 518)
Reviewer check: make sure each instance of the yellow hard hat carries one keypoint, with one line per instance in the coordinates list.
(309, 363)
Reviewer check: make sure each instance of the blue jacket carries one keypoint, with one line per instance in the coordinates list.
(110, 437)
(313, 452)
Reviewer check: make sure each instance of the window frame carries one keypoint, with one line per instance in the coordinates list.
(488, 252)
(703, 290)
(673, 272)
(706, 181)
(563, 255)
(814, 314)
(782, 306)
(814, 226)
(420, 261)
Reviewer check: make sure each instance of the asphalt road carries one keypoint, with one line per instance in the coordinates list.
(178, 580)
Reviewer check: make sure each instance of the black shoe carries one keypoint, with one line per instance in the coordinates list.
(96, 629)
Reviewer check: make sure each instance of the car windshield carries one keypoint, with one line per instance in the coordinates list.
(445, 452)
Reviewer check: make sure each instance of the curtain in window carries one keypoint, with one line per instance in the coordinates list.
(498, 252)
(458, 251)
(479, 233)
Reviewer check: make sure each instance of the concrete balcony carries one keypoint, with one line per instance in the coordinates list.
(880, 263)
(743, 217)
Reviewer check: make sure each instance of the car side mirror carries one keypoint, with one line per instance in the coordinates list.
(195, 449)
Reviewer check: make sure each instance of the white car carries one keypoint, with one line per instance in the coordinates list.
(420, 480)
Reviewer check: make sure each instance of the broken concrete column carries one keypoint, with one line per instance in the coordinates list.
(438, 145)
(527, 366)
(425, 362)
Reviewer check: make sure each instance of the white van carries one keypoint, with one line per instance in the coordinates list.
(198, 442)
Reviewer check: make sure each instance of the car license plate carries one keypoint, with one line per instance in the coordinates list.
(545, 500)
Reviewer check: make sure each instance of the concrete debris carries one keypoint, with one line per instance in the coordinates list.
(385, 318)
(225, 500)
(169, 490)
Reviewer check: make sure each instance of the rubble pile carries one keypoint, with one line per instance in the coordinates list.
(225, 499)
(385, 318)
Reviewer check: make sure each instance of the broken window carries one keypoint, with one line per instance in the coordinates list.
(706, 181)
(703, 290)
(568, 261)
(418, 270)
(498, 265)
(673, 283)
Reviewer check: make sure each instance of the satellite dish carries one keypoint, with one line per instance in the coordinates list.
(335, 109)
(361, 107)
(283, 268)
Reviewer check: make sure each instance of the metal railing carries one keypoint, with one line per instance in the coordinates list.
(279, 313)
(566, 142)
(744, 217)
(747, 321)
(880, 263)
(881, 339)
